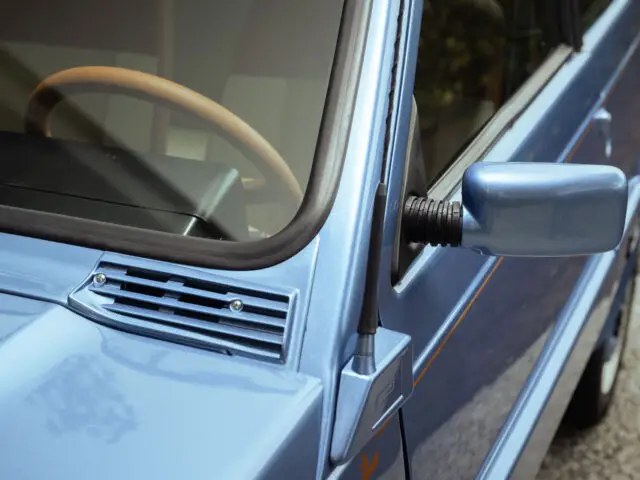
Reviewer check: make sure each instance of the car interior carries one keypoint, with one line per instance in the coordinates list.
(188, 117)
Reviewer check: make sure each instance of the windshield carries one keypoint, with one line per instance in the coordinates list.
(192, 117)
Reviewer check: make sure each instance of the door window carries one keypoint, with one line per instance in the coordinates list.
(473, 56)
(590, 10)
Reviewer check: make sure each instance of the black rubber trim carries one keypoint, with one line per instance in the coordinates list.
(392, 93)
(571, 26)
(315, 208)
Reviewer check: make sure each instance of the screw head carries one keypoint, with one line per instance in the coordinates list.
(99, 279)
(236, 305)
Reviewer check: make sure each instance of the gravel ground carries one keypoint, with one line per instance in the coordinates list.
(610, 450)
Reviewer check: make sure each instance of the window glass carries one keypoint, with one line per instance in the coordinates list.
(161, 153)
(473, 55)
(590, 10)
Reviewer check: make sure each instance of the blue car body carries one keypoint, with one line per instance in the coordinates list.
(495, 345)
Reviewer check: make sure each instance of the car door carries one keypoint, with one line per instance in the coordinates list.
(494, 81)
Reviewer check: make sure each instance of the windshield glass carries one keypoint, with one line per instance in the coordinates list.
(193, 117)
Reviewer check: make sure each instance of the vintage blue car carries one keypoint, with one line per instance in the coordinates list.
(308, 239)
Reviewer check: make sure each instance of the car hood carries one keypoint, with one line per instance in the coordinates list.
(80, 400)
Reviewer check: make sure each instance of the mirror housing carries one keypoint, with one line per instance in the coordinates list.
(543, 209)
(527, 210)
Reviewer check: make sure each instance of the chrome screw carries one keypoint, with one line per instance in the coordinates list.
(99, 279)
(236, 305)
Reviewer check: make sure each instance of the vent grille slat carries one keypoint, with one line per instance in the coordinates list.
(272, 306)
(187, 309)
(224, 314)
(195, 324)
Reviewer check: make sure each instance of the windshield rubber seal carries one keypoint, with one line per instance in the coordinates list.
(224, 255)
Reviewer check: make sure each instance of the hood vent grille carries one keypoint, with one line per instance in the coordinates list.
(189, 310)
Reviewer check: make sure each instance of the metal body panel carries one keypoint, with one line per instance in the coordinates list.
(597, 295)
(121, 405)
(92, 402)
(608, 277)
(382, 458)
(480, 324)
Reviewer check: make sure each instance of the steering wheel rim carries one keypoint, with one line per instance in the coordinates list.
(56, 87)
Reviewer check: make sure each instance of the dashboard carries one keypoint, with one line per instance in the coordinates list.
(113, 185)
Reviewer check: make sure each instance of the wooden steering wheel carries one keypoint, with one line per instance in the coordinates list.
(55, 88)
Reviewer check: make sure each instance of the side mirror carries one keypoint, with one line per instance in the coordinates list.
(532, 209)
(538, 209)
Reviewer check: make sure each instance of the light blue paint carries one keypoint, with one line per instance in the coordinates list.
(366, 402)
(543, 210)
(81, 399)
(557, 352)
